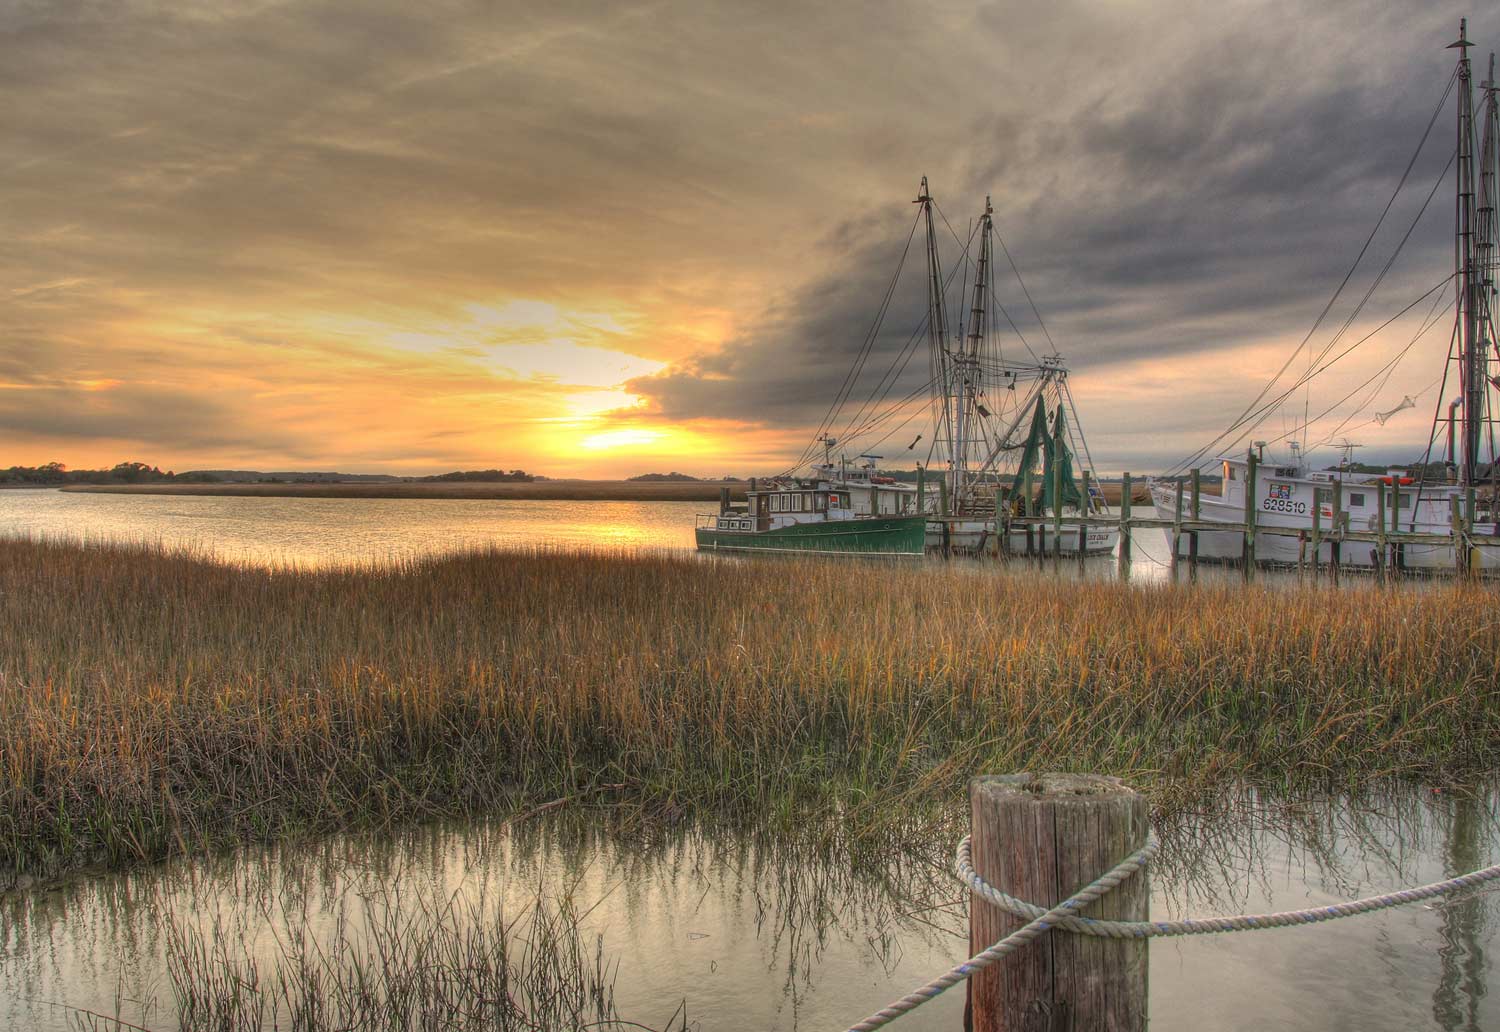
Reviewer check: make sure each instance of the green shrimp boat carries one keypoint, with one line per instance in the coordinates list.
(815, 517)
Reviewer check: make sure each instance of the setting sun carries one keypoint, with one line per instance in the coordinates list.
(621, 439)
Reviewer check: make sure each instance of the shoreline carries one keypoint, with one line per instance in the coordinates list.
(544, 490)
(536, 491)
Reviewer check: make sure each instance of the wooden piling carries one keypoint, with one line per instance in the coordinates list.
(1125, 491)
(1456, 528)
(1335, 550)
(1252, 501)
(921, 488)
(1380, 529)
(1083, 530)
(1197, 510)
(1057, 524)
(1317, 535)
(1041, 838)
(1176, 529)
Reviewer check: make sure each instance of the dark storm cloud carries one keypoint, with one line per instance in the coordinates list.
(1173, 179)
(1187, 191)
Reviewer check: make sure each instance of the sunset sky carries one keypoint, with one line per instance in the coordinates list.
(599, 240)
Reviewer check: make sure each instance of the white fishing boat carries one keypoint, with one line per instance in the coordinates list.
(1448, 494)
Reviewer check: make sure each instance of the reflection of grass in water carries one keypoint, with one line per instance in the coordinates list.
(801, 894)
(404, 966)
(152, 703)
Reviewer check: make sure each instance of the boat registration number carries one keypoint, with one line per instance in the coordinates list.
(1283, 505)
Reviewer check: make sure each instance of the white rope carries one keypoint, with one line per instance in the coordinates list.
(1064, 916)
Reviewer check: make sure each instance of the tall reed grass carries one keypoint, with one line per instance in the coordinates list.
(154, 702)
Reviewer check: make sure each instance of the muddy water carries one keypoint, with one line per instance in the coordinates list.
(763, 935)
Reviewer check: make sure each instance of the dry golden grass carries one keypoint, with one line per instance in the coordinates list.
(544, 490)
(152, 702)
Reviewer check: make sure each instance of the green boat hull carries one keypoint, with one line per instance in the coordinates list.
(895, 535)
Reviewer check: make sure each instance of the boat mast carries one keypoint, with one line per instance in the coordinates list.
(1485, 255)
(968, 359)
(937, 328)
(1471, 354)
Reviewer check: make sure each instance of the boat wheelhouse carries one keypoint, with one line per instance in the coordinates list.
(820, 516)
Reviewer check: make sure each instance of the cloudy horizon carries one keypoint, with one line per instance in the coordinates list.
(588, 242)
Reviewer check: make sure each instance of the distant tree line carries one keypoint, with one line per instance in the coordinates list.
(123, 473)
(484, 475)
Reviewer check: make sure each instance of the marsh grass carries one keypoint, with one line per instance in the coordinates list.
(154, 702)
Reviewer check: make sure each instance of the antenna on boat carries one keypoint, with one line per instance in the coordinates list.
(828, 444)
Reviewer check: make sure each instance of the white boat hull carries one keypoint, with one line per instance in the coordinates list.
(1280, 549)
(976, 537)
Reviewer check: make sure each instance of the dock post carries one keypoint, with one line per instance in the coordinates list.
(1002, 517)
(1380, 534)
(723, 500)
(1041, 838)
(1317, 535)
(874, 500)
(943, 496)
(921, 488)
(1057, 525)
(1083, 530)
(1336, 548)
(1176, 529)
(1456, 531)
(1472, 561)
(1125, 492)
(1252, 499)
(1026, 511)
(1398, 548)
(1197, 509)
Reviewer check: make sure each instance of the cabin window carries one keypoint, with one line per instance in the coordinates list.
(1356, 499)
(1403, 501)
(776, 503)
(1325, 495)
(1229, 472)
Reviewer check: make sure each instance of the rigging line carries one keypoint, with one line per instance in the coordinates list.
(1387, 370)
(865, 347)
(892, 431)
(1198, 455)
(877, 418)
(1271, 405)
(892, 376)
(1253, 417)
(995, 298)
(1428, 322)
(903, 358)
(1034, 311)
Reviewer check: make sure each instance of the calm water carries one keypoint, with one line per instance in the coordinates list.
(323, 531)
(756, 935)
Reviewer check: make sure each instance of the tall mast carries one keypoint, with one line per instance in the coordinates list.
(1471, 352)
(1485, 248)
(937, 328)
(968, 359)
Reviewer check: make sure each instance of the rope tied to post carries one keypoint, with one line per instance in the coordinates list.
(1065, 917)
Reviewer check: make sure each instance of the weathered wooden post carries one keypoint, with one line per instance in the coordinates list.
(1176, 529)
(1317, 534)
(1125, 492)
(1197, 515)
(1026, 511)
(1456, 529)
(1252, 502)
(1083, 529)
(921, 488)
(1041, 838)
(1380, 529)
(1335, 550)
(1056, 510)
(1471, 551)
(723, 500)
(874, 500)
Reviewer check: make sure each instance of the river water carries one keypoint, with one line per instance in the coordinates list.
(763, 935)
(332, 531)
